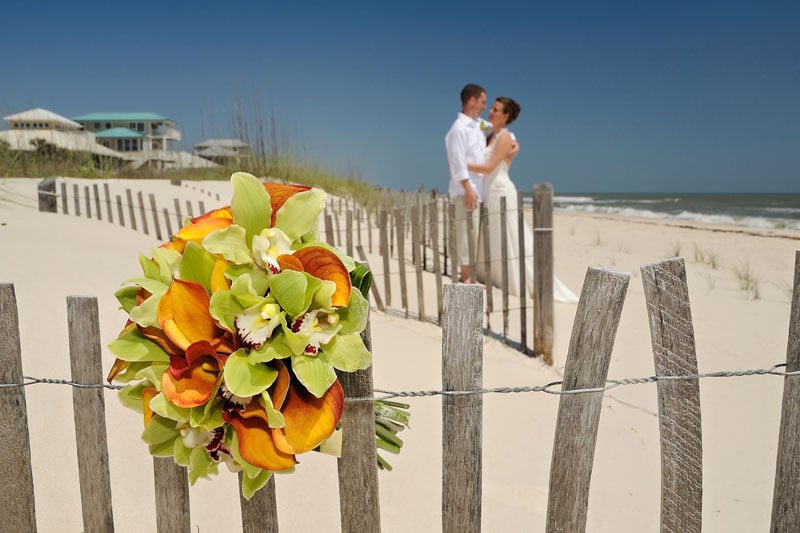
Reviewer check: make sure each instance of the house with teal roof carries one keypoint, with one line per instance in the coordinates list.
(142, 132)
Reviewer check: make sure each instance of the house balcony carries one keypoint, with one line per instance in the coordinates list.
(167, 134)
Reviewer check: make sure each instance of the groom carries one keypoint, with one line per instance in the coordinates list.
(465, 143)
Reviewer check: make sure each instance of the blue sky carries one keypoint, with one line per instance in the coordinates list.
(615, 96)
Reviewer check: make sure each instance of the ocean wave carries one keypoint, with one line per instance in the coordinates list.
(573, 199)
(726, 220)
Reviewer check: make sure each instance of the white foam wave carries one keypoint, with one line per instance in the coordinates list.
(750, 222)
(573, 199)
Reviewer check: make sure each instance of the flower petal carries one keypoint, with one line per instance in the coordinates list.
(289, 262)
(183, 314)
(148, 393)
(326, 265)
(309, 420)
(256, 444)
(191, 382)
(200, 227)
(279, 193)
(281, 386)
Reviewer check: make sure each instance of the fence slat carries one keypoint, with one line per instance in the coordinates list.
(359, 503)
(16, 490)
(399, 219)
(504, 265)
(417, 246)
(64, 202)
(260, 514)
(154, 210)
(383, 247)
(593, 332)
(523, 292)
(89, 410)
(107, 195)
(171, 482)
(462, 416)
(348, 234)
(96, 192)
(131, 213)
(543, 307)
(672, 334)
(437, 260)
(374, 290)
(47, 195)
(786, 496)
(484, 238)
(143, 220)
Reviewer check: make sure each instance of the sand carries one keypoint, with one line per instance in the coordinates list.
(49, 256)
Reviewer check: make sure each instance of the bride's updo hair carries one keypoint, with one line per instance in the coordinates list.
(510, 107)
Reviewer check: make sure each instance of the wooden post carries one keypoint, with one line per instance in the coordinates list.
(89, 411)
(523, 293)
(77, 198)
(189, 210)
(338, 232)
(172, 496)
(359, 503)
(88, 200)
(107, 195)
(462, 415)
(416, 244)
(504, 265)
(437, 262)
(201, 206)
(369, 229)
(329, 229)
(472, 244)
(48, 202)
(156, 223)
(593, 332)
(786, 495)
(543, 309)
(178, 214)
(18, 511)
(672, 335)
(358, 213)
(168, 223)
(96, 192)
(348, 234)
(64, 202)
(139, 197)
(451, 219)
(384, 251)
(487, 264)
(131, 212)
(260, 514)
(399, 219)
(120, 211)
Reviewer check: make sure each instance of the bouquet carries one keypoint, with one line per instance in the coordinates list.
(236, 328)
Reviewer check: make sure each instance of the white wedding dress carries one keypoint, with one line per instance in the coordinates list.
(497, 185)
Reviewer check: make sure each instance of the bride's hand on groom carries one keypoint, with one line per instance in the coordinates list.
(470, 199)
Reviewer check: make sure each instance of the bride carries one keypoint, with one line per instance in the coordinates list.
(498, 184)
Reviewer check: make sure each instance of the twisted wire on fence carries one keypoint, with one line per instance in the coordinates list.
(548, 388)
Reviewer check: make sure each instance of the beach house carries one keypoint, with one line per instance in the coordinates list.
(35, 128)
(222, 151)
(149, 138)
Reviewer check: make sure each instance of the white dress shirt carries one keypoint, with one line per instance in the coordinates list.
(465, 143)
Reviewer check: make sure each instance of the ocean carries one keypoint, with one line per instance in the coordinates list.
(767, 211)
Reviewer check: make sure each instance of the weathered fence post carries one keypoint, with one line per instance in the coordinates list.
(120, 211)
(417, 244)
(593, 332)
(96, 192)
(140, 199)
(77, 198)
(672, 335)
(107, 195)
(437, 262)
(359, 503)
(89, 411)
(172, 496)
(485, 237)
(131, 212)
(384, 251)
(786, 495)
(48, 202)
(88, 201)
(18, 510)
(154, 210)
(260, 514)
(462, 415)
(64, 203)
(348, 233)
(399, 219)
(329, 229)
(543, 307)
(523, 292)
(504, 265)
(451, 234)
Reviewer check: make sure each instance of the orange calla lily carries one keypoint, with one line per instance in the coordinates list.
(191, 381)
(279, 193)
(281, 386)
(289, 262)
(309, 420)
(218, 280)
(256, 443)
(324, 264)
(200, 227)
(184, 317)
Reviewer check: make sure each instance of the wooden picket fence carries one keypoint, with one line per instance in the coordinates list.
(585, 376)
(412, 232)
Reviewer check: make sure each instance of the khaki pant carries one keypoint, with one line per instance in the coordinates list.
(460, 222)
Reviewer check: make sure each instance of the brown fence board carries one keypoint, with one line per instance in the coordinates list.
(672, 333)
(592, 340)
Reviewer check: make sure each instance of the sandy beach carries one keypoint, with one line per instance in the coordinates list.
(49, 256)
